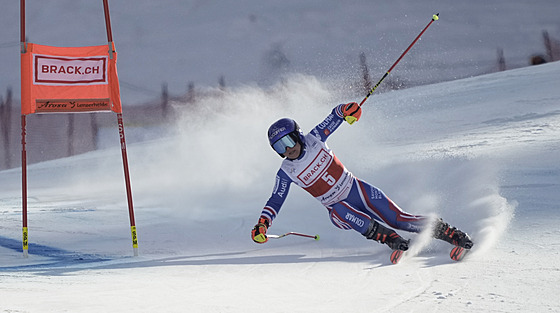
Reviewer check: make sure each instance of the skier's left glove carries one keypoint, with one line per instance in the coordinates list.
(259, 231)
(351, 112)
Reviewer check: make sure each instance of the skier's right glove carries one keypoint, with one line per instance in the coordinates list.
(351, 112)
(259, 231)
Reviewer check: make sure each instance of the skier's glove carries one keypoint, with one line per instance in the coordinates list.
(259, 231)
(351, 112)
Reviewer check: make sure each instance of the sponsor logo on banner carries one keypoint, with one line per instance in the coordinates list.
(71, 105)
(64, 71)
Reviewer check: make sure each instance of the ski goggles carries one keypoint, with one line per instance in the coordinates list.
(283, 143)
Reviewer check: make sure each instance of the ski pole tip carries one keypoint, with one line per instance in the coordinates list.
(435, 17)
(316, 237)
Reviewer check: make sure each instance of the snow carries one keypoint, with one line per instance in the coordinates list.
(481, 152)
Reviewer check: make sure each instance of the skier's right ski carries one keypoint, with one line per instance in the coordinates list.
(396, 256)
(458, 253)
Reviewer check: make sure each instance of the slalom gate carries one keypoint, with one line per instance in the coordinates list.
(70, 80)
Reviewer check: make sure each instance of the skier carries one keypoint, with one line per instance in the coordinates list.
(351, 202)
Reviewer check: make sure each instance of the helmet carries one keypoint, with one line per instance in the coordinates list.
(287, 130)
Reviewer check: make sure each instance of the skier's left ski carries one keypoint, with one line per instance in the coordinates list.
(458, 253)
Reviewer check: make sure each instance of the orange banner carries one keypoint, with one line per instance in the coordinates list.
(69, 79)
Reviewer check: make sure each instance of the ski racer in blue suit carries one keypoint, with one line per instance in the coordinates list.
(351, 202)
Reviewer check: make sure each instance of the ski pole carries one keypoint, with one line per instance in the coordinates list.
(316, 237)
(435, 17)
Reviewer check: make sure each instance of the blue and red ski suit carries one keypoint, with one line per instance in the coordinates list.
(352, 203)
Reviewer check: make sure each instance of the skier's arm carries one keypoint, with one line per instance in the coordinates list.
(272, 207)
(351, 112)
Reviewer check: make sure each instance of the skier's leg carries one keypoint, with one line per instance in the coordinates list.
(451, 234)
(344, 216)
(373, 202)
(384, 209)
(382, 234)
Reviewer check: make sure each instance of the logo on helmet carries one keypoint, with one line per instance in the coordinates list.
(276, 132)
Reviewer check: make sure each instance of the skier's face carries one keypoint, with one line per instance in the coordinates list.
(293, 153)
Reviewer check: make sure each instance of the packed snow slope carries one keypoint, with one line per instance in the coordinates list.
(480, 152)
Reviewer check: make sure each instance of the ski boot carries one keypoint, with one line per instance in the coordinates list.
(386, 235)
(451, 234)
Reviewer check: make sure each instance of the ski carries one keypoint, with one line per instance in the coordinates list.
(458, 253)
(396, 256)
